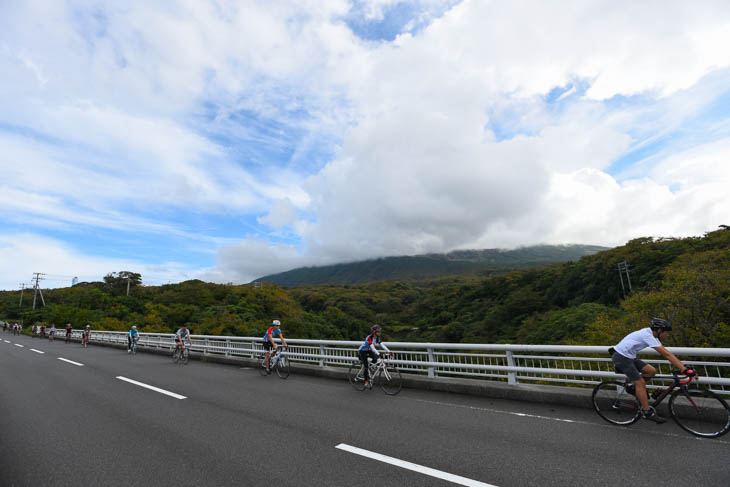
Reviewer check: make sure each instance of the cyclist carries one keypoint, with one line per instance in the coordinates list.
(52, 332)
(269, 343)
(367, 349)
(624, 359)
(68, 331)
(85, 335)
(132, 335)
(180, 336)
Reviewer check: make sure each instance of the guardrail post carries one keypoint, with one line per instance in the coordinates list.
(228, 347)
(431, 358)
(511, 376)
(205, 352)
(321, 355)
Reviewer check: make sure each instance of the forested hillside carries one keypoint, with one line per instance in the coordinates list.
(474, 263)
(686, 280)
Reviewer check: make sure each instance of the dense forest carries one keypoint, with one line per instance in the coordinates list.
(685, 280)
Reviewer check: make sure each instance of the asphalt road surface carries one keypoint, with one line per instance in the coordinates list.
(81, 422)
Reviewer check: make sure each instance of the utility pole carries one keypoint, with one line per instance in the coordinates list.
(22, 287)
(37, 277)
(127, 286)
(623, 267)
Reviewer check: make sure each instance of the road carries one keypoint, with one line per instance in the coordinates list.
(67, 424)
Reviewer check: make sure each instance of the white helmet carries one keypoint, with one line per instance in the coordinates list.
(134, 327)
(276, 323)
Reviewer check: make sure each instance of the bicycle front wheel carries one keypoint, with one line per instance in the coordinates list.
(700, 412)
(390, 380)
(282, 368)
(185, 356)
(176, 355)
(356, 376)
(614, 404)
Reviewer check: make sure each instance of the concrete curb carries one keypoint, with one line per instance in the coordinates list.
(560, 395)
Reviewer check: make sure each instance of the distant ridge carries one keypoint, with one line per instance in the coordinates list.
(432, 266)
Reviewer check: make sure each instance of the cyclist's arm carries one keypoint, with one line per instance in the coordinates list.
(671, 357)
(384, 347)
(283, 342)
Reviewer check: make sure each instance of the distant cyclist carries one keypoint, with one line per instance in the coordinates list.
(624, 359)
(367, 349)
(274, 331)
(68, 331)
(180, 336)
(85, 335)
(52, 332)
(132, 336)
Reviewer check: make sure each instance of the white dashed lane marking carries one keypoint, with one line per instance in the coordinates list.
(456, 479)
(153, 388)
(70, 361)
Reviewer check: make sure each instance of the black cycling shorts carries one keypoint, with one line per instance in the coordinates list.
(630, 367)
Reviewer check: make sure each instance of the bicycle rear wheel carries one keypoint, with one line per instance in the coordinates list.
(282, 368)
(700, 412)
(614, 404)
(356, 376)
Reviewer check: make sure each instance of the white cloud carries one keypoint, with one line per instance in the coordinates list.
(25, 253)
(110, 118)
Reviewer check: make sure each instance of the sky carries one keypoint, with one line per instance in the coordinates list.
(227, 140)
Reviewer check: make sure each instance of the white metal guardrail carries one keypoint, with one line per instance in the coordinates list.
(513, 364)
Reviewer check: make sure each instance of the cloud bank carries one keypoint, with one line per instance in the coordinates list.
(257, 137)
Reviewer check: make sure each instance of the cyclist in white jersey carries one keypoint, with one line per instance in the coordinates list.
(624, 359)
(181, 335)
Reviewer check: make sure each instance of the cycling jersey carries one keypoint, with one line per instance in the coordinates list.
(271, 333)
(182, 334)
(133, 333)
(635, 342)
(370, 342)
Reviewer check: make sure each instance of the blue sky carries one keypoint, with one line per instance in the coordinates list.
(238, 139)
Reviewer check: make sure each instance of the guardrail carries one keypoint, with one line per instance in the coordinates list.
(513, 364)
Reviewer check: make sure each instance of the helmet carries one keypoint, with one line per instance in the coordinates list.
(88, 326)
(134, 327)
(276, 323)
(660, 324)
(374, 328)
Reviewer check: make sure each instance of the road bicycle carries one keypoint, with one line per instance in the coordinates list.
(382, 373)
(68, 337)
(85, 339)
(181, 355)
(133, 347)
(696, 410)
(278, 362)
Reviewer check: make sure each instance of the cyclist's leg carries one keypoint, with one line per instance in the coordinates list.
(267, 356)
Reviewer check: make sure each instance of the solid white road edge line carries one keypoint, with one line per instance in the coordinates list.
(36, 351)
(147, 386)
(70, 361)
(414, 467)
(18, 345)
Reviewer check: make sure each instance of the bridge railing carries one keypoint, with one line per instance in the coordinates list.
(513, 364)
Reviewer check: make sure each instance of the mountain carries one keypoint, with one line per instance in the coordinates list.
(432, 266)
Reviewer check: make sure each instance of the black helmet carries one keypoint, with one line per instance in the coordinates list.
(660, 324)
